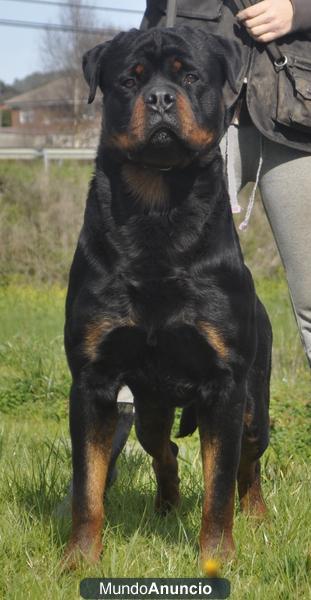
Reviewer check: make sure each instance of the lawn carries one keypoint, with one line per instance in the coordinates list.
(273, 559)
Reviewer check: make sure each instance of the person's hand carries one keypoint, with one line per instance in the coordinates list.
(268, 20)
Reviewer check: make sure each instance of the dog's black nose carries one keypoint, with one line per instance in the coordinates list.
(160, 100)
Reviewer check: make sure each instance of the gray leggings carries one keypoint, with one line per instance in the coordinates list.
(285, 186)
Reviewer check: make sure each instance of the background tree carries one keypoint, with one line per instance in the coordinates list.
(63, 50)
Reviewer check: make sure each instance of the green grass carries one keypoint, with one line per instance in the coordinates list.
(40, 216)
(273, 558)
(32, 359)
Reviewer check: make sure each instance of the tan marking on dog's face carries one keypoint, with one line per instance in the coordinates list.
(136, 130)
(139, 69)
(138, 119)
(191, 131)
(97, 330)
(177, 64)
(214, 338)
(146, 185)
(122, 141)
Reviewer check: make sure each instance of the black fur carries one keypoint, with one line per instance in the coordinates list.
(187, 328)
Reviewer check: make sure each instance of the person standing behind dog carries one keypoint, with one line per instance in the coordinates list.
(269, 140)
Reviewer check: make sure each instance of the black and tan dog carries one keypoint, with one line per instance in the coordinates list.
(159, 297)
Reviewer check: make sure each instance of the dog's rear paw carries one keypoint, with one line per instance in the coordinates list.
(166, 502)
(253, 505)
(255, 510)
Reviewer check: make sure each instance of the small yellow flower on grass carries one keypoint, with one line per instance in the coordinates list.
(211, 567)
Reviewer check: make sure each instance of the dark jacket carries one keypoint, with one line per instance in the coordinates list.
(279, 104)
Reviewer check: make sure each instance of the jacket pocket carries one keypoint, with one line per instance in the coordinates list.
(294, 94)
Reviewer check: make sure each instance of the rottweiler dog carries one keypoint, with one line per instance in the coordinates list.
(159, 296)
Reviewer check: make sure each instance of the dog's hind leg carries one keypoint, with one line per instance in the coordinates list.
(92, 426)
(255, 437)
(249, 486)
(153, 428)
(254, 442)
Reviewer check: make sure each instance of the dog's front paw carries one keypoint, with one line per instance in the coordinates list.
(83, 549)
(216, 548)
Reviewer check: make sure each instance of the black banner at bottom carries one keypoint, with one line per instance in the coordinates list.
(162, 589)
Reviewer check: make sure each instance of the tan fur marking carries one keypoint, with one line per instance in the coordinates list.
(136, 130)
(190, 128)
(139, 69)
(137, 124)
(88, 510)
(95, 332)
(86, 534)
(177, 65)
(97, 458)
(147, 185)
(248, 419)
(214, 337)
(249, 486)
(121, 140)
(209, 450)
(210, 535)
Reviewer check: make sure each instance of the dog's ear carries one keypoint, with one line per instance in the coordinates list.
(231, 57)
(91, 63)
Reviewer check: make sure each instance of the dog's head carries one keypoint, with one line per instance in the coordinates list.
(165, 92)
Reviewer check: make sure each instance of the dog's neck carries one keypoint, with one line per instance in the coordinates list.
(159, 189)
(147, 185)
(187, 204)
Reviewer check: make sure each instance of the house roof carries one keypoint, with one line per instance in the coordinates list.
(55, 92)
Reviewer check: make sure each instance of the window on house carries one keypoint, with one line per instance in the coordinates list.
(26, 116)
(5, 118)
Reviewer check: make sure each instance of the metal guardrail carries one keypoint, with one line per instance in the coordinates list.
(60, 154)
(48, 154)
(19, 153)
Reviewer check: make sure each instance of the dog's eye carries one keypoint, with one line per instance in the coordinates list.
(190, 78)
(129, 83)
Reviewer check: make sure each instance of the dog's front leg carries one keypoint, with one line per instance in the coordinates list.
(92, 425)
(220, 426)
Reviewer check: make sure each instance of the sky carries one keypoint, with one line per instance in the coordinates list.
(20, 48)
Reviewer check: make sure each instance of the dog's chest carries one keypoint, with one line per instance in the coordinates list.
(167, 337)
(173, 359)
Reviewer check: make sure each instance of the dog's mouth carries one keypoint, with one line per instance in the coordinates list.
(163, 149)
(163, 137)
